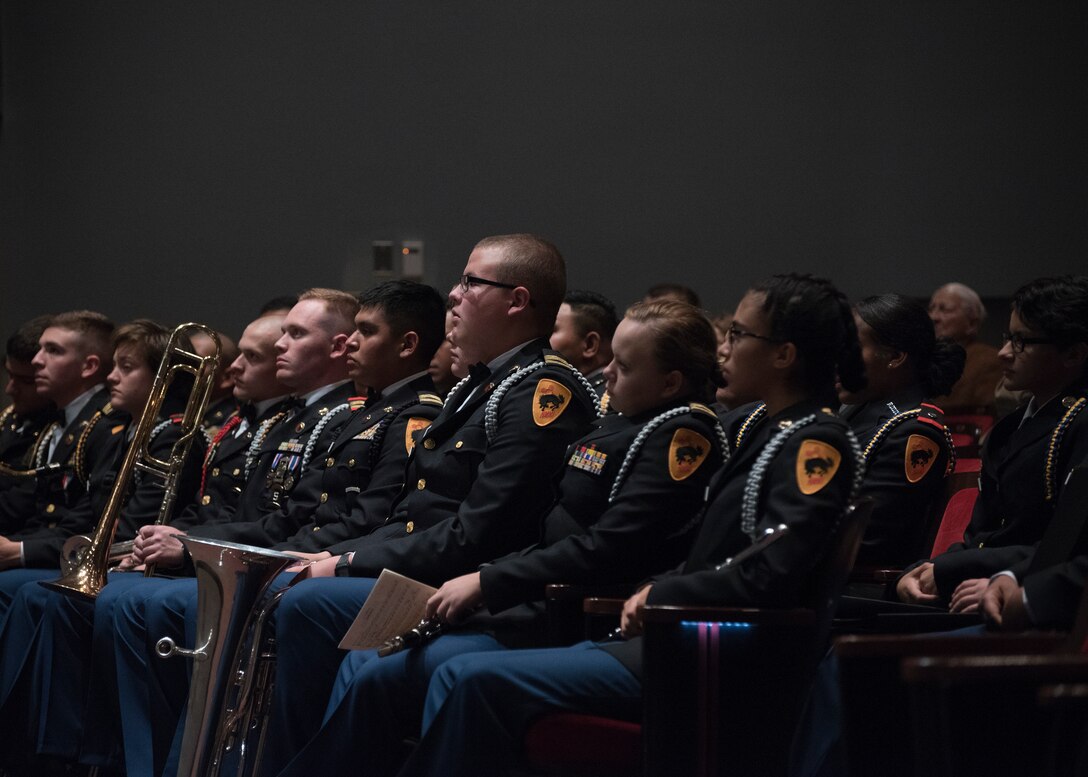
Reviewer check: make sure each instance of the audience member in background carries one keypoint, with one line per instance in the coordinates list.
(676, 291)
(441, 367)
(957, 312)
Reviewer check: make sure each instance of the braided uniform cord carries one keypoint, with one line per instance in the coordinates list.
(258, 439)
(1053, 449)
(41, 445)
(311, 443)
(646, 431)
(228, 426)
(753, 418)
(383, 426)
(77, 459)
(895, 421)
(491, 410)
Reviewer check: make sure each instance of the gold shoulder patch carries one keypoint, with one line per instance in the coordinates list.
(699, 407)
(549, 401)
(817, 463)
(414, 425)
(428, 398)
(106, 409)
(687, 451)
(356, 403)
(919, 457)
(117, 429)
(606, 399)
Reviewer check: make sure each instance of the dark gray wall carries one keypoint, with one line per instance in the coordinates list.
(189, 160)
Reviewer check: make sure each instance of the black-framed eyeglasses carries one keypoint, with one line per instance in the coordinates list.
(734, 333)
(1018, 341)
(468, 281)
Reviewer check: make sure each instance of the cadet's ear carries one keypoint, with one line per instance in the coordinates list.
(339, 346)
(897, 359)
(92, 363)
(409, 344)
(519, 299)
(591, 345)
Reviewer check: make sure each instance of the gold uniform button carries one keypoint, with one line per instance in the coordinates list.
(206, 499)
(330, 461)
(52, 524)
(236, 472)
(322, 411)
(49, 508)
(421, 484)
(215, 472)
(410, 527)
(351, 462)
(324, 498)
(458, 444)
(70, 439)
(315, 528)
(300, 426)
(429, 444)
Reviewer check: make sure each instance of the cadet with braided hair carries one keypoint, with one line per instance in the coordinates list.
(793, 462)
(907, 448)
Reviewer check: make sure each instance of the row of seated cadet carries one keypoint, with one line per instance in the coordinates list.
(645, 449)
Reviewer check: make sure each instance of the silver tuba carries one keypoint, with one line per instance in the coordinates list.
(230, 671)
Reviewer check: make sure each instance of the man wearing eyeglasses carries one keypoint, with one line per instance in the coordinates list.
(1028, 454)
(477, 483)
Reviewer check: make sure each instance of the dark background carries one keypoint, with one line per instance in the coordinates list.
(189, 160)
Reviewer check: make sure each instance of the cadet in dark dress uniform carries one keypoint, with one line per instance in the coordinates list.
(23, 421)
(140, 346)
(478, 482)
(37, 515)
(907, 448)
(794, 461)
(311, 360)
(583, 334)
(626, 508)
(1029, 453)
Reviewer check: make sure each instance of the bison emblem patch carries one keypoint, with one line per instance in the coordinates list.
(549, 401)
(919, 457)
(817, 463)
(687, 451)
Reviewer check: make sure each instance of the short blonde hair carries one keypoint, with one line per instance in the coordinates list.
(340, 304)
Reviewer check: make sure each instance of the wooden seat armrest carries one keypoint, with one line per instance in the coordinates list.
(574, 591)
(660, 613)
(880, 575)
(596, 605)
(962, 670)
(892, 645)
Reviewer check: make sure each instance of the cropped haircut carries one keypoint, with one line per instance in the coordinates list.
(409, 306)
(278, 305)
(684, 341)
(903, 325)
(817, 318)
(592, 312)
(1057, 307)
(22, 346)
(536, 264)
(96, 333)
(338, 303)
(147, 339)
(972, 302)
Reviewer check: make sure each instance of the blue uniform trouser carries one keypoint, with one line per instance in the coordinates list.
(375, 704)
(479, 705)
(151, 691)
(310, 622)
(64, 662)
(19, 627)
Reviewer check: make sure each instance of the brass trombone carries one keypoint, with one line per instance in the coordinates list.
(91, 554)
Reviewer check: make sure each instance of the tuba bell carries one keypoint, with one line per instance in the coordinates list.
(89, 556)
(231, 676)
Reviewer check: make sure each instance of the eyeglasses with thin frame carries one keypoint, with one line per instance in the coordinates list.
(1018, 341)
(734, 333)
(468, 281)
